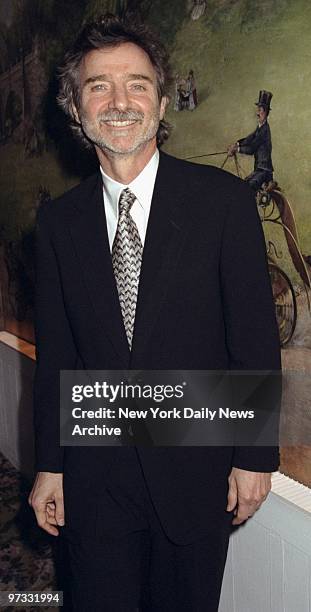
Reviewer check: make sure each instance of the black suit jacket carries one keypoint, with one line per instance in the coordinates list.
(204, 302)
(259, 144)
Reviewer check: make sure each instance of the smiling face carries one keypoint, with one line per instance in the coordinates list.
(119, 108)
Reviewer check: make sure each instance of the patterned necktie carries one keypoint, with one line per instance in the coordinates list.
(127, 252)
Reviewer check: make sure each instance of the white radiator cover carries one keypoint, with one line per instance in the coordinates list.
(268, 567)
(293, 491)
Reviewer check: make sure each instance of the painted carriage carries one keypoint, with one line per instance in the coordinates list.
(275, 208)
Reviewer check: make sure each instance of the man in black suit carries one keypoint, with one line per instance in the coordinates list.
(259, 144)
(146, 528)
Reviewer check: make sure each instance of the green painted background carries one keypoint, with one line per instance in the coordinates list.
(235, 49)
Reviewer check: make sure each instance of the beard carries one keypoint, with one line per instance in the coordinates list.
(110, 142)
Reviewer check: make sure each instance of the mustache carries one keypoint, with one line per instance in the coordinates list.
(115, 115)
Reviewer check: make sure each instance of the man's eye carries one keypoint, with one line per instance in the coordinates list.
(138, 87)
(98, 87)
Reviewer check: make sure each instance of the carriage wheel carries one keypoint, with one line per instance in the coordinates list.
(285, 303)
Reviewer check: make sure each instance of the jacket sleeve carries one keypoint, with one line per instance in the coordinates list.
(55, 349)
(251, 330)
(250, 144)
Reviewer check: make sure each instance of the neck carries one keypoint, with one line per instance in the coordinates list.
(125, 167)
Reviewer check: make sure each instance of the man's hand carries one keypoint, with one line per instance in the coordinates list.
(247, 491)
(46, 498)
(232, 149)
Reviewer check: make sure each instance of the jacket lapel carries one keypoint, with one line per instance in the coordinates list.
(164, 238)
(88, 229)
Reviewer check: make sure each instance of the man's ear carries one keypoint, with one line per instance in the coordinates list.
(163, 105)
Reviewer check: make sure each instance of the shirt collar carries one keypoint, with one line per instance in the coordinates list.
(142, 185)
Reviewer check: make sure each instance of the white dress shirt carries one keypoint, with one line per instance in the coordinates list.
(142, 186)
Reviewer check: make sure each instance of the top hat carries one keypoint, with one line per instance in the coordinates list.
(264, 99)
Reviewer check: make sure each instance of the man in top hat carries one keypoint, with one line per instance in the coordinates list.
(259, 144)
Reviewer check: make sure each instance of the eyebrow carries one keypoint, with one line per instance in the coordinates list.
(106, 77)
(139, 77)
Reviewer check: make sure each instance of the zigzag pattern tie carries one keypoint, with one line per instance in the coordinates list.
(127, 252)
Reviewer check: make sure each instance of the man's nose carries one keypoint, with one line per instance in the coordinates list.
(119, 97)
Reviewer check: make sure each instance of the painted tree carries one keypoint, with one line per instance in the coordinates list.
(4, 51)
(95, 8)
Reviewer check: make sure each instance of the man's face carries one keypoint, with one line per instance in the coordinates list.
(119, 106)
(261, 114)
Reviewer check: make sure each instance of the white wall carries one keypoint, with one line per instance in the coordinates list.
(16, 430)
